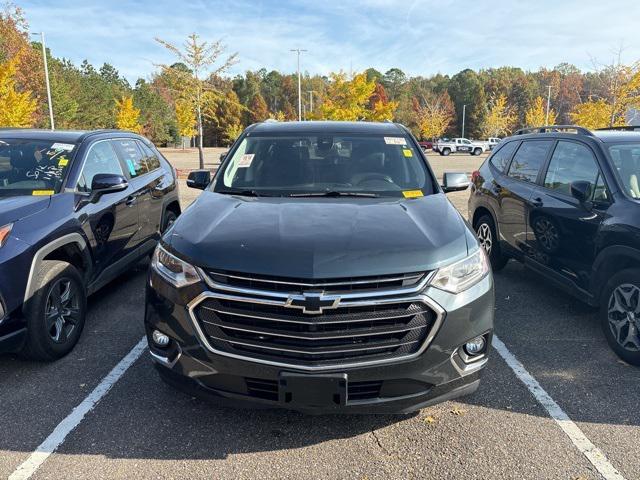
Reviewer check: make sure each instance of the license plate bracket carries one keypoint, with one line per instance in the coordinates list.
(323, 390)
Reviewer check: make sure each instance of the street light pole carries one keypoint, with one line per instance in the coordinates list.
(546, 120)
(46, 77)
(464, 114)
(299, 51)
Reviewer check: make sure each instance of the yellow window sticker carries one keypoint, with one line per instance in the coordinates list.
(412, 193)
(407, 152)
(42, 192)
(63, 162)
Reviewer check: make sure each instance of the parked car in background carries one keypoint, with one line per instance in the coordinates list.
(323, 269)
(566, 202)
(492, 142)
(76, 210)
(426, 145)
(460, 145)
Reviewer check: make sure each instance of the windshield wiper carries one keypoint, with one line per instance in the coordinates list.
(244, 193)
(332, 193)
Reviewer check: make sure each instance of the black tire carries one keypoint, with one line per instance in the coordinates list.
(446, 152)
(485, 229)
(620, 314)
(167, 220)
(50, 333)
(477, 151)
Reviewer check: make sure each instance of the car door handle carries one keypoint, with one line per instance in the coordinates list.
(131, 201)
(537, 202)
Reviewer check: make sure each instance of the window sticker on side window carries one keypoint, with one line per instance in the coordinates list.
(395, 140)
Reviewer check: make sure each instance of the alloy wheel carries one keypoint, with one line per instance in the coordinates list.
(62, 311)
(624, 316)
(485, 237)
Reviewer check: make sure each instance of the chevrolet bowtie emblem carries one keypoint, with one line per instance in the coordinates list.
(313, 302)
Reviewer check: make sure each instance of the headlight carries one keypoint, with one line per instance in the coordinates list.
(462, 275)
(177, 272)
(4, 233)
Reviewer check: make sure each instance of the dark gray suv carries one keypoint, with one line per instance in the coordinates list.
(323, 270)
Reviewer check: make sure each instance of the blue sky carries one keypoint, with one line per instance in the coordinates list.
(420, 37)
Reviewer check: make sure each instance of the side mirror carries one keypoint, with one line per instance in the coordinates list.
(199, 179)
(223, 155)
(108, 183)
(581, 190)
(455, 182)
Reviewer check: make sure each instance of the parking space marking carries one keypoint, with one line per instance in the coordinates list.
(595, 456)
(66, 426)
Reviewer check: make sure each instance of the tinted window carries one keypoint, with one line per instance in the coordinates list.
(626, 159)
(528, 160)
(132, 156)
(571, 162)
(500, 159)
(101, 159)
(315, 164)
(150, 157)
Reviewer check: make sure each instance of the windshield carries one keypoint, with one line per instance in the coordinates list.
(626, 159)
(326, 164)
(33, 167)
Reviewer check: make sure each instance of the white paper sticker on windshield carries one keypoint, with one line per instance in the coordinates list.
(63, 146)
(395, 140)
(245, 160)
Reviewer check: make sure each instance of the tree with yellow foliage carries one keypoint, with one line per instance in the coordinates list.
(536, 114)
(500, 118)
(185, 119)
(349, 100)
(620, 93)
(16, 108)
(433, 115)
(127, 115)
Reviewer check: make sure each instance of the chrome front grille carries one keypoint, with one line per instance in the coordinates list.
(270, 322)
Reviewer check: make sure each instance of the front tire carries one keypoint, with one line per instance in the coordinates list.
(620, 315)
(486, 232)
(56, 312)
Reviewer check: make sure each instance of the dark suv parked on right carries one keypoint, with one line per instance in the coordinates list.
(566, 201)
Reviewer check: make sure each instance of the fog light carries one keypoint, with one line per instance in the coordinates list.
(160, 339)
(475, 346)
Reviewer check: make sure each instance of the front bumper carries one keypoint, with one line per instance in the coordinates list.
(437, 374)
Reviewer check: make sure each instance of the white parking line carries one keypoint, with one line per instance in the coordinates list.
(59, 434)
(579, 439)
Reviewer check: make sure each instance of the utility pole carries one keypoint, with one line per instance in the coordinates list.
(46, 77)
(546, 121)
(464, 114)
(310, 101)
(299, 51)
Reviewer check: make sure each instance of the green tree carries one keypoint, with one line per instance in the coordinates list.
(465, 88)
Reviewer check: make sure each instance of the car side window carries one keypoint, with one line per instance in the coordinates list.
(500, 159)
(600, 192)
(570, 162)
(100, 159)
(150, 157)
(132, 155)
(529, 159)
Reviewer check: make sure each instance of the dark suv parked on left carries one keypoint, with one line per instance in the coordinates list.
(76, 210)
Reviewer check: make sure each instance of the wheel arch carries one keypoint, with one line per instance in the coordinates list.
(70, 248)
(609, 261)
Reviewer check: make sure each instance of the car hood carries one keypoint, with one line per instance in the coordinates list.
(19, 207)
(319, 238)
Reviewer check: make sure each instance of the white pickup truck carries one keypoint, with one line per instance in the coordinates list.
(461, 145)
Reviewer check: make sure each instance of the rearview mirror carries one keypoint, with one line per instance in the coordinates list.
(581, 190)
(455, 182)
(199, 179)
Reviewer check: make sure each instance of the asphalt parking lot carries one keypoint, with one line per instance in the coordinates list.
(142, 428)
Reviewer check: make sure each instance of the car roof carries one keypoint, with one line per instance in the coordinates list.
(67, 136)
(610, 136)
(605, 136)
(327, 127)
